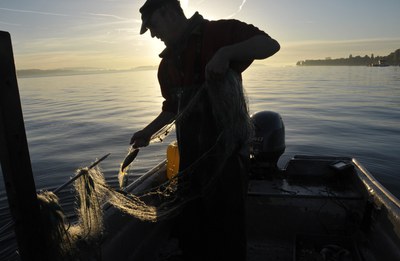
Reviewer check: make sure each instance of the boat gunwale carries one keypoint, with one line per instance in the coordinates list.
(377, 190)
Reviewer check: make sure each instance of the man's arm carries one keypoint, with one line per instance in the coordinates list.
(142, 137)
(257, 47)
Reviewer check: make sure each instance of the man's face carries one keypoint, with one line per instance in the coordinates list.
(161, 27)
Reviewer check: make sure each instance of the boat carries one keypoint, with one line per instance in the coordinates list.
(314, 208)
(381, 63)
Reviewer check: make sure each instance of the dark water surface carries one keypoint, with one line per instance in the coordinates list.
(339, 111)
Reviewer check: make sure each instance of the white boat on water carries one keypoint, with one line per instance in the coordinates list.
(381, 63)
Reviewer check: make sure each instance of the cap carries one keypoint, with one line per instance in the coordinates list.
(148, 9)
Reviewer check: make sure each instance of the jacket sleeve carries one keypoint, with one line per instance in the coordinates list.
(227, 32)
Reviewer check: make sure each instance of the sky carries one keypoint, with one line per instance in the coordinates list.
(49, 34)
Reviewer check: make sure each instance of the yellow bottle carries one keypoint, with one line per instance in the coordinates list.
(172, 160)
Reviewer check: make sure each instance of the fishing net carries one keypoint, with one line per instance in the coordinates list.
(66, 241)
(233, 126)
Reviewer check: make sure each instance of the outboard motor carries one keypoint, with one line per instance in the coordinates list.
(268, 142)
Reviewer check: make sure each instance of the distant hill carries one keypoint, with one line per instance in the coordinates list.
(391, 59)
(75, 71)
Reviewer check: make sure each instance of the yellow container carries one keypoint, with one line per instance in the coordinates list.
(172, 160)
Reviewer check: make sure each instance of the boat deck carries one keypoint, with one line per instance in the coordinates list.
(315, 208)
(318, 210)
(302, 213)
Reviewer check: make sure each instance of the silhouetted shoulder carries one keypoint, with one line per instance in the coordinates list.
(235, 29)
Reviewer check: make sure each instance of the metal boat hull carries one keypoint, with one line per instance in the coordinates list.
(310, 209)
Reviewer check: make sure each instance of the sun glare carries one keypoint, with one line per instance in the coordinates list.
(184, 4)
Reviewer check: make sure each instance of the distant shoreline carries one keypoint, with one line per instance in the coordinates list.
(35, 73)
(392, 59)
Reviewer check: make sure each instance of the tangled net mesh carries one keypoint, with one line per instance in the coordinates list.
(230, 113)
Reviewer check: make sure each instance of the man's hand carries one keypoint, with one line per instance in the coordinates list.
(140, 139)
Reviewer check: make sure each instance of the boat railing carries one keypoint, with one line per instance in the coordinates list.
(376, 189)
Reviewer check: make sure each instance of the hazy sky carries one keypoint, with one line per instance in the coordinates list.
(105, 33)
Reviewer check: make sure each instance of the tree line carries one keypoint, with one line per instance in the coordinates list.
(391, 59)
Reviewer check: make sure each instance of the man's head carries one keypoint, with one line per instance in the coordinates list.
(151, 6)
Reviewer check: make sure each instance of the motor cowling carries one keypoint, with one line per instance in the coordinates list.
(268, 143)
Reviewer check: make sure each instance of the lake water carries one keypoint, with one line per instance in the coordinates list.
(340, 111)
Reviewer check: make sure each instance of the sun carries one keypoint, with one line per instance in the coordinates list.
(184, 4)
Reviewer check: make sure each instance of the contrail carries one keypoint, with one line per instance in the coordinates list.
(5, 23)
(31, 12)
(239, 9)
(107, 15)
